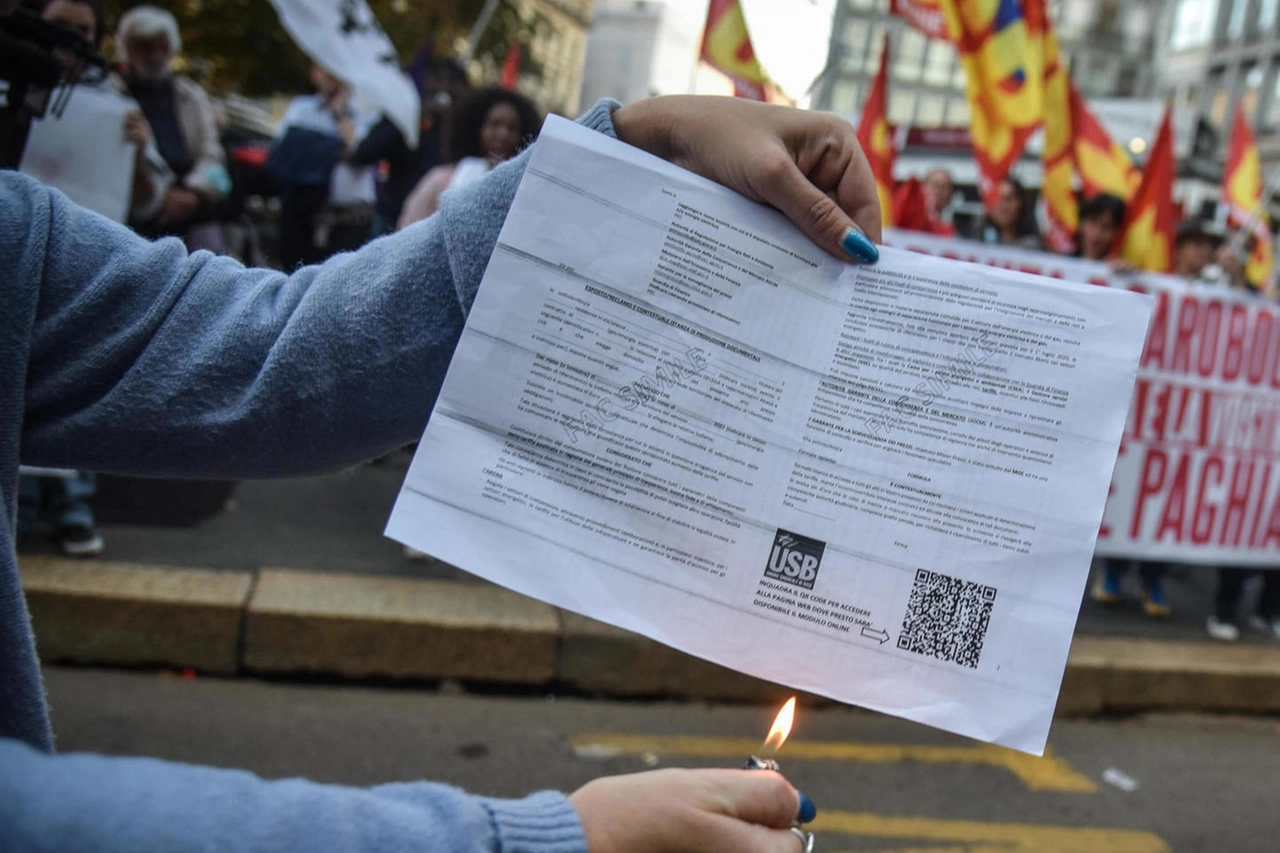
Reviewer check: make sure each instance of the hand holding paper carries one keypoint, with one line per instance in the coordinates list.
(671, 411)
(808, 165)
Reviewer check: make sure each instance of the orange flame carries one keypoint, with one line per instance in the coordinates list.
(781, 728)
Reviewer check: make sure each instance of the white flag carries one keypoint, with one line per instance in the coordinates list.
(343, 37)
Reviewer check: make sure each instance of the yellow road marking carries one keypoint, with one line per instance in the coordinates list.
(977, 837)
(1050, 773)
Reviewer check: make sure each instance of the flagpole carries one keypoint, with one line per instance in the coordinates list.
(481, 24)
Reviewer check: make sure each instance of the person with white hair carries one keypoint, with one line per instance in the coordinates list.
(183, 125)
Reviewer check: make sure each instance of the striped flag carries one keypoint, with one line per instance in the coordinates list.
(876, 138)
(1243, 195)
(998, 43)
(1103, 165)
(726, 47)
(1147, 236)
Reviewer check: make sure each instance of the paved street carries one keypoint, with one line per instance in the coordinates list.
(1204, 783)
(334, 523)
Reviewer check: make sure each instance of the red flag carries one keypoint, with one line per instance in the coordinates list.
(1242, 191)
(1102, 164)
(511, 67)
(1147, 237)
(876, 139)
(726, 47)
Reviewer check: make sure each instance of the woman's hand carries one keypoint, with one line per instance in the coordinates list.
(690, 811)
(806, 164)
(136, 130)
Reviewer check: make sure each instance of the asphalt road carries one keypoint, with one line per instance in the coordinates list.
(1203, 783)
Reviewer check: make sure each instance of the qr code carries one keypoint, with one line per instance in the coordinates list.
(947, 618)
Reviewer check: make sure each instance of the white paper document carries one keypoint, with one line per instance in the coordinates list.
(84, 153)
(672, 412)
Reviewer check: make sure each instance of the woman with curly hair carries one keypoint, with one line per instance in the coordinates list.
(488, 127)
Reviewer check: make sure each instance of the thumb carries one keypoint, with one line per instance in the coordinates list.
(842, 234)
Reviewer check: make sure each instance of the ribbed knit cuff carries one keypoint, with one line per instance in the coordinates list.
(545, 822)
(600, 117)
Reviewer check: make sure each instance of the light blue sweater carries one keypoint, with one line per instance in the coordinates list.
(131, 357)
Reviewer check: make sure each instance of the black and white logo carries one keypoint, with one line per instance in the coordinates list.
(794, 559)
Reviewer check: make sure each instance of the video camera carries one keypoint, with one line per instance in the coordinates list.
(41, 62)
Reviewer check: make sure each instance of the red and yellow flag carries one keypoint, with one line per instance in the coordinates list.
(1103, 165)
(999, 47)
(726, 47)
(1061, 210)
(1147, 237)
(876, 137)
(1242, 192)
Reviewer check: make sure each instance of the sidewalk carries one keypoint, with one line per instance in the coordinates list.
(296, 578)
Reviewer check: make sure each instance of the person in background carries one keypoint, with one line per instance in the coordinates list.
(922, 205)
(1223, 623)
(184, 126)
(939, 190)
(1194, 244)
(57, 502)
(442, 84)
(1100, 221)
(1012, 221)
(328, 201)
(488, 128)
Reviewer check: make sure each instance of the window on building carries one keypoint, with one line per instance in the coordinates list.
(1075, 18)
(908, 56)
(1271, 119)
(1235, 22)
(1193, 22)
(937, 63)
(930, 110)
(1266, 19)
(902, 106)
(1250, 95)
(958, 112)
(844, 97)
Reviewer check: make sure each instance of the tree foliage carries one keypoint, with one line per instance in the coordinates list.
(240, 46)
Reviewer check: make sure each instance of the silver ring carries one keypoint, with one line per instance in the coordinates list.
(806, 839)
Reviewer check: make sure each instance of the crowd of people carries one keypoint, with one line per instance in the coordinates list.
(343, 177)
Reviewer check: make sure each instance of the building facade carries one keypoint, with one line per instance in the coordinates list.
(1214, 54)
(1109, 45)
(639, 48)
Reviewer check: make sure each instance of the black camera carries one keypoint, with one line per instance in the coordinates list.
(40, 63)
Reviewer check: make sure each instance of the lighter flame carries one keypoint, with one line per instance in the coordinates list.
(781, 728)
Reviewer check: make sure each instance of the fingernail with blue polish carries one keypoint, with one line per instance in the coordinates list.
(808, 811)
(859, 247)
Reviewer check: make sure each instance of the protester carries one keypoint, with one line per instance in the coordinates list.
(326, 203)
(1230, 261)
(487, 128)
(923, 205)
(1222, 623)
(939, 190)
(1194, 244)
(138, 358)
(183, 124)
(1100, 221)
(1012, 221)
(441, 85)
(58, 502)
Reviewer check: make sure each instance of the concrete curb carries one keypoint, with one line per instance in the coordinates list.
(288, 622)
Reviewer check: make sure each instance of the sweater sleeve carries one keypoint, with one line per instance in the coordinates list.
(146, 360)
(81, 802)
